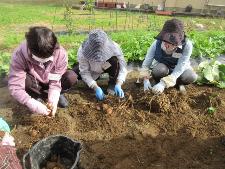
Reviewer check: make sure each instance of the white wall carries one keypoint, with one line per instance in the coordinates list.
(196, 4)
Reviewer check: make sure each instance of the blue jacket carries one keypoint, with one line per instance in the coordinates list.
(178, 62)
(163, 57)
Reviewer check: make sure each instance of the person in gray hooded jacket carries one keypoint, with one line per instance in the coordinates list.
(99, 54)
(168, 59)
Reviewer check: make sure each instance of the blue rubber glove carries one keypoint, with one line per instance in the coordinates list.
(99, 93)
(147, 85)
(119, 92)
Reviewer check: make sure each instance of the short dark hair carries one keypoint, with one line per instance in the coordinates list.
(41, 41)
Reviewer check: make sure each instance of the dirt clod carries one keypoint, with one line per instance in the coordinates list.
(109, 111)
(33, 133)
(98, 108)
(104, 107)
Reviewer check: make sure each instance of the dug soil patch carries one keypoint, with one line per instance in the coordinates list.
(142, 131)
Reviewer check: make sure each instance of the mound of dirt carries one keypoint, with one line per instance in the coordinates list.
(140, 131)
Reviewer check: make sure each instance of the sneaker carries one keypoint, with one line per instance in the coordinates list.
(63, 103)
(182, 89)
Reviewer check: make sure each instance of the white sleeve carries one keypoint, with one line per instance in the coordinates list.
(84, 68)
(183, 60)
(123, 66)
(148, 60)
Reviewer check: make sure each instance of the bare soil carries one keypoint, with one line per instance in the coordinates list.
(142, 131)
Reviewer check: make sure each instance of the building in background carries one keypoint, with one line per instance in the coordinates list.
(195, 6)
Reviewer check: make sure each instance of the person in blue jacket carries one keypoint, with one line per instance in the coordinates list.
(168, 59)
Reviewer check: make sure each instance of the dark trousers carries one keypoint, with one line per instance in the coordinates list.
(113, 70)
(40, 90)
(161, 70)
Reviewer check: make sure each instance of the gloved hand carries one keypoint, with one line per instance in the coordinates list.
(147, 84)
(99, 93)
(169, 81)
(37, 107)
(119, 92)
(159, 88)
(7, 140)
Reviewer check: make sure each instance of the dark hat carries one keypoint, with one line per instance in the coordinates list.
(98, 46)
(172, 32)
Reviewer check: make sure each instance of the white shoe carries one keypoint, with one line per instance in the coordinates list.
(182, 89)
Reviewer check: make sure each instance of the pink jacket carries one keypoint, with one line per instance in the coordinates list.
(22, 63)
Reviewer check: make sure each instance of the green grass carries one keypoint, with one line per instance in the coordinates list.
(24, 14)
(15, 19)
(133, 31)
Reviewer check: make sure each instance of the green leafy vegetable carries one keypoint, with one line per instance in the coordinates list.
(4, 63)
(211, 72)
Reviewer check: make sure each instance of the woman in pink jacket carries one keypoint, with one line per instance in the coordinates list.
(39, 70)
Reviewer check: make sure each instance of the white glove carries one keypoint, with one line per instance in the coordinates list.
(169, 81)
(147, 84)
(8, 140)
(159, 88)
(37, 107)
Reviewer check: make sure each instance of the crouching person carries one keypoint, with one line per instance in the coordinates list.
(97, 55)
(38, 70)
(8, 158)
(168, 59)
